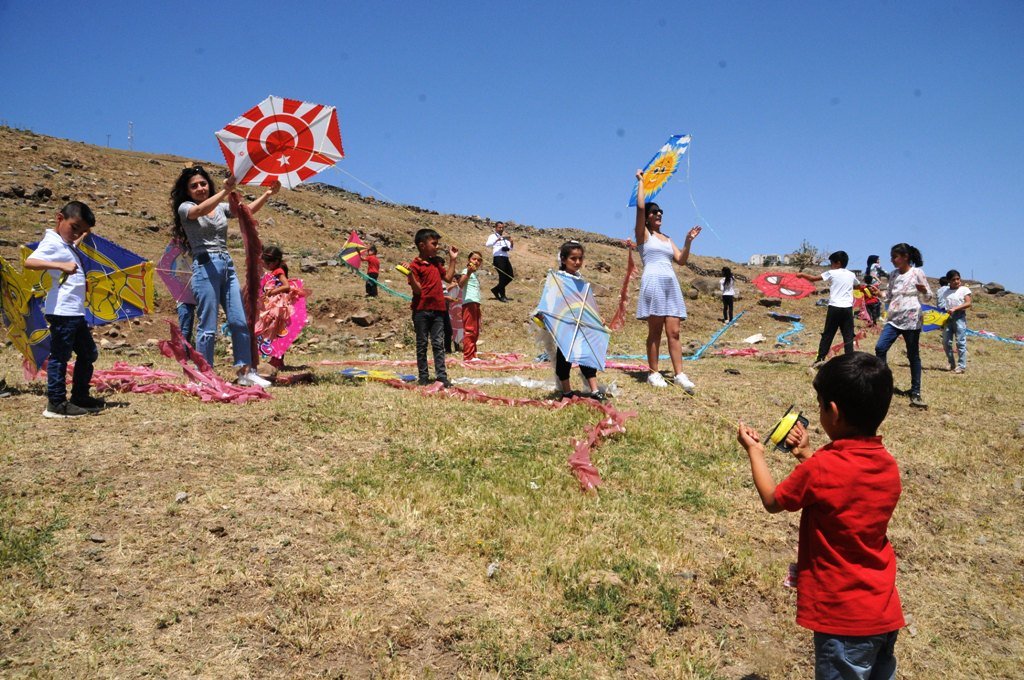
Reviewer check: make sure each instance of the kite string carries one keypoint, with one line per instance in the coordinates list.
(689, 188)
(376, 191)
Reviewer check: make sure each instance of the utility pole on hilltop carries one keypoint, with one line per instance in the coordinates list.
(108, 141)
(131, 136)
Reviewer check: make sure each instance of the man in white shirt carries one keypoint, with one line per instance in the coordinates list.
(501, 246)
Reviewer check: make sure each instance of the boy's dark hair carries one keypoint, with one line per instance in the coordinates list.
(79, 210)
(860, 384)
(950, 274)
(425, 235)
(566, 250)
(943, 281)
(839, 257)
(372, 249)
(912, 253)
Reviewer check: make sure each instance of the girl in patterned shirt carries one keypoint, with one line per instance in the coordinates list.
(907, 283)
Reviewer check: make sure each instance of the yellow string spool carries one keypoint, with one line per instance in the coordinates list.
(784, 427)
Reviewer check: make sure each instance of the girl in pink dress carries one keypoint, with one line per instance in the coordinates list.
(282, 313)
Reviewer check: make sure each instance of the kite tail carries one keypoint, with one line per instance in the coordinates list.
(253, 265)
(619, 320)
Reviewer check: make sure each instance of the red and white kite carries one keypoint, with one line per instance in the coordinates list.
(281, 139)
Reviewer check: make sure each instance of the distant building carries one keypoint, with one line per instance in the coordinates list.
(767, 260)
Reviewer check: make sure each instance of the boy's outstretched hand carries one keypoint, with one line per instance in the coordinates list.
(453, 252)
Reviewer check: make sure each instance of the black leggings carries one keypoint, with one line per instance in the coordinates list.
(727, 307)
(562, 368)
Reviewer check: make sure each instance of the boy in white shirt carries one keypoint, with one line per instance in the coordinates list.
(840, 303)
(65, 311)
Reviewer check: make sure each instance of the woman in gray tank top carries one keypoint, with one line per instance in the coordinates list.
(201, 216)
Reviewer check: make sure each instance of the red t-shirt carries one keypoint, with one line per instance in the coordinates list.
(429, 273)
(846, 567)
(372, 264)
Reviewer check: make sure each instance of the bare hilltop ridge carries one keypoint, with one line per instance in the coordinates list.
(346, 529)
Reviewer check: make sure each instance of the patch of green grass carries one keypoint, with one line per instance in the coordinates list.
(25, 544)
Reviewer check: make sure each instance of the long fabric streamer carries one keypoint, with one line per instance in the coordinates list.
(612, 422)
(753, 351)
(714, 338)
(253, 267)
(203, 383)
(619, 320)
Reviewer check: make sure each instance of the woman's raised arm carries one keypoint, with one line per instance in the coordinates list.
(640, 233)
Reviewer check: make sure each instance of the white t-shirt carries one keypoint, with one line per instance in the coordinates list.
(840, 291)
(67, 297)
(499, 245)
(727, 290)
(949, 298)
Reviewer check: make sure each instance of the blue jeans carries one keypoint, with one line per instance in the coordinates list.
(429, 327)
(214, 282)
(912, 338)
(186, 320)
(848, 657)
(69, 334)
(957, 324)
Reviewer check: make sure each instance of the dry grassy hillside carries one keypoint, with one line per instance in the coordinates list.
(357, 530)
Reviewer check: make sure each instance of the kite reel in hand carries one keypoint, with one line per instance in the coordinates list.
(782, 428)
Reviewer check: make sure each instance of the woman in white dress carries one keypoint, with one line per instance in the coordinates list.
(661, 299)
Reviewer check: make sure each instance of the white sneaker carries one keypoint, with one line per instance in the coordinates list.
(252, 378)
(684, 382)
(654, 378)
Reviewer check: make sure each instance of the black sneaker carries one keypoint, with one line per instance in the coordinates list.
(424, 381)
(917, 402)
(445, 382)
(64, 409)
(89, 403)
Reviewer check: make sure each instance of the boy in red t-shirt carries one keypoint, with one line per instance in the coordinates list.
(847, 490)
(372, 271)
(428, 308)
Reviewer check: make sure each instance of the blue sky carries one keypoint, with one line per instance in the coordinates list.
(854, 125)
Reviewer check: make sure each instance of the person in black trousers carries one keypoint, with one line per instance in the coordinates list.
(501, 246)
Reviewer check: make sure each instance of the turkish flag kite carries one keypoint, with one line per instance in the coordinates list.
(281, 139)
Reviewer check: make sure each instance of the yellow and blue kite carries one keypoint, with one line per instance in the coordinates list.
(932, 318)
(118, 287)
(661, 167)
